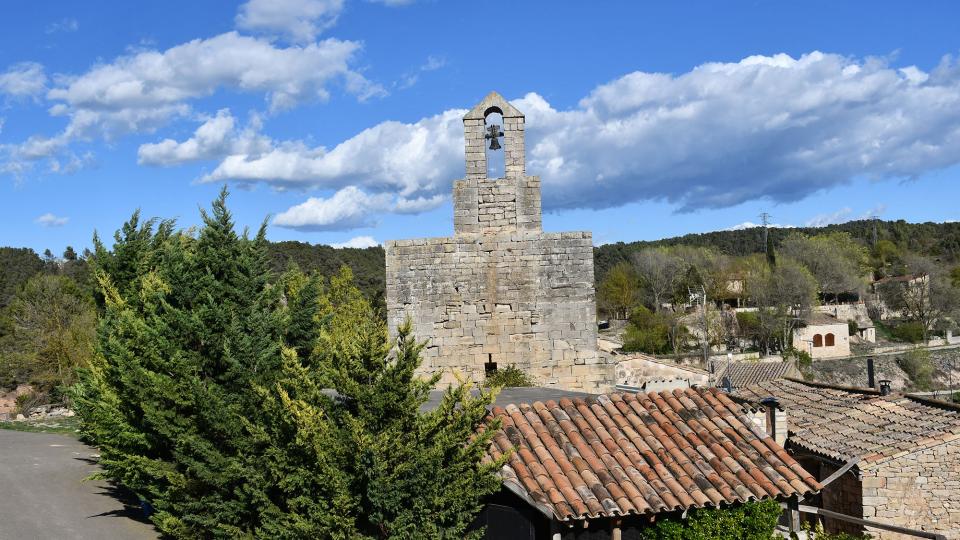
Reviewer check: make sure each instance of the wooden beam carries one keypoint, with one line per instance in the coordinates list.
(839, 472)
(867, 523)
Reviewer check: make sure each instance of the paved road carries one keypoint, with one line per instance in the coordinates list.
(43, 495)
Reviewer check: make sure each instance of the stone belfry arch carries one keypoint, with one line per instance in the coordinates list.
(500, 291)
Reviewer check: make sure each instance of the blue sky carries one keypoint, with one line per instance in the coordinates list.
(341, 120)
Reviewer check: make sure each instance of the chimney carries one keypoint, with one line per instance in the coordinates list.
(871, 383)
(885, 387)
(776, 420)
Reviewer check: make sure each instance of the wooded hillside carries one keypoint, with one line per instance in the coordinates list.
(937, 240)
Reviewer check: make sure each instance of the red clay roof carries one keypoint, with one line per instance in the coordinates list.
(621, 454)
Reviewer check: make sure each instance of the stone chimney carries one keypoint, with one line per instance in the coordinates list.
(775, 420)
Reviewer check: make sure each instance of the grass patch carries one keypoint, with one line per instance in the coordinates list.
(67, 425)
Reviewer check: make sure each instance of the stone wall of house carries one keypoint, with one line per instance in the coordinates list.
(803, 340)
(919, 491)
(500, 291)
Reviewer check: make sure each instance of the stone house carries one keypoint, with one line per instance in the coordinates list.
(500, 291)
(903, 454)
(638, 372)
(918, 285)
(740, 374)
(605, 467)
(822, 336)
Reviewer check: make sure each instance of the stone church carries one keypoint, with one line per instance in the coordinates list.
(500, 291)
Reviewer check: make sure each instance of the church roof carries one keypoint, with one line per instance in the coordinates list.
(493, 100)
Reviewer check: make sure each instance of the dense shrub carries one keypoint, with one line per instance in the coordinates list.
(648, 332)
(918, 366)
(750, 521)
(510, 377)
(911, 332)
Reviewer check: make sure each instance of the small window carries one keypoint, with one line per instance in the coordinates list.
(829, 340)
(817, 340)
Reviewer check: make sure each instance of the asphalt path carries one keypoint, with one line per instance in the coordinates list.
(43, 494)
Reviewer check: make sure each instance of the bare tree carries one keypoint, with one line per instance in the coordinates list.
(926, 296)
(659, 270)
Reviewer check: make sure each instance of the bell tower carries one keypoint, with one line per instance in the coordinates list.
(500, 291)
(484, 205)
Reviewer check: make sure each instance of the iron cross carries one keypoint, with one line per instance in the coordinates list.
(492, 133)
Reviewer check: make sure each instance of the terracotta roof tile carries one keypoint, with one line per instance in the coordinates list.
(622, 454)
(843, 424)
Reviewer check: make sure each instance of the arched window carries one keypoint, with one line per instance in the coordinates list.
(817, 340)
(829, 340)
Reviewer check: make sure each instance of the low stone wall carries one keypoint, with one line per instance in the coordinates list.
(919, 490)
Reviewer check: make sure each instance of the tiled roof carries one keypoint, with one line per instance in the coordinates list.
(746, 373)
(821, 319)
(621, 454)
(844, 424)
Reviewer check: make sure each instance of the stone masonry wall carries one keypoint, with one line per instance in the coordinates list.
(517, 298)
(920, 490)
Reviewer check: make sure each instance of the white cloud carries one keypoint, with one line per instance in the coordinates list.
(63, 25)
(144, 90)
(418, 205)
(23, 80)
(357, 242)
(216, 137)
(411, 160)
(821, 220)
(347, 209)
(752, 225)
(768, 127)
(299, 20)
(50, 220)
(154, 85)
(432, 63)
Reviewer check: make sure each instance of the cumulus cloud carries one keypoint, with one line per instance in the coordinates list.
(50, 220)
(349, 208)
(149, 85)
(216, 137)
(142, 91)
(767, 127)
(412, 160)
(299, 20)
(357, 242)
(25, 79)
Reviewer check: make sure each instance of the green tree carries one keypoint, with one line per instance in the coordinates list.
(652, 332)
(51, 326)
(190, 325)
(242, 407)
(835, 260)
(618, 291)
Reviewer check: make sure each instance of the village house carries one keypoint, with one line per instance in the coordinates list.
(605, 467)
(638, 372)
(898, 455)
(734, 375)
(918, 285)
(822, 336)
